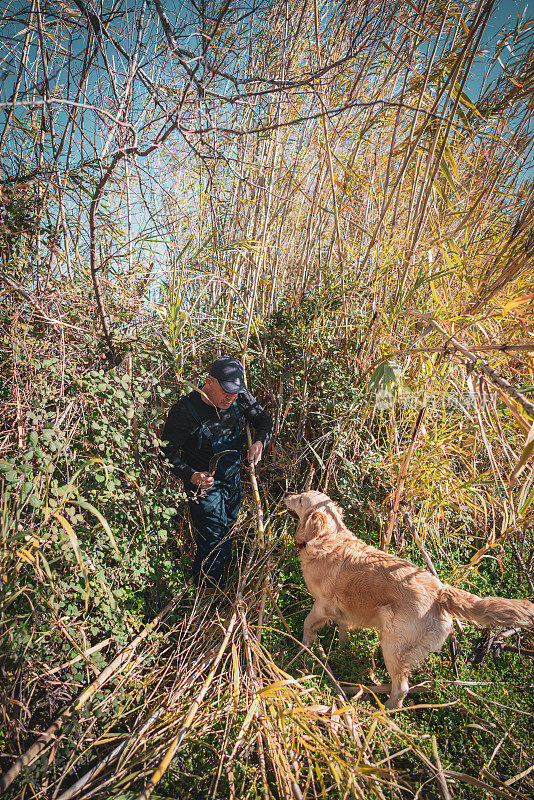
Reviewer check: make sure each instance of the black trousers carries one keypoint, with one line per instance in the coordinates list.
(214, 515)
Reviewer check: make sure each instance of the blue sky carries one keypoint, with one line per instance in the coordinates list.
(505, 16)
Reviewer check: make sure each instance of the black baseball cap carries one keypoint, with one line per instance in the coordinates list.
(229, 372)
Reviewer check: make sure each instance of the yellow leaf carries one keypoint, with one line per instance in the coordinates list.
(25, 555)
(274, 689)
(73, 539)
(519, 85)
(519, 301)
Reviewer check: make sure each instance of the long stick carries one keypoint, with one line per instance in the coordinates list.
(479, 348)
(255, 492)
(442, 783)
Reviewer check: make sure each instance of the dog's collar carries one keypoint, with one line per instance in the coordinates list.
(302, 545)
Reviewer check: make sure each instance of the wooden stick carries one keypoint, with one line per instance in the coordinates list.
(480, 348)
(257, 501)
(461, 777)
(80, 657)
(357, 689)
(309, 479)
(442, 783)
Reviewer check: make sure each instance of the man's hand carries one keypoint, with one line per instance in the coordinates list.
(254, 452)
(203, 480)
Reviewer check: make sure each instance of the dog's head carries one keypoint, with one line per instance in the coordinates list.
(317, 515)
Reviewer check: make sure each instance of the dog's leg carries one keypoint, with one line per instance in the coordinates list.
(399, 688)
(343, 633)
(315, 620)
(405, 646)
(399, 670)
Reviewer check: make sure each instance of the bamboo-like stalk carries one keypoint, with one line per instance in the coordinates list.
(337, 229)
(95, 265)
(115, 753)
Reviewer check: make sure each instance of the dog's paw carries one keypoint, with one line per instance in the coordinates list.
(393, 704)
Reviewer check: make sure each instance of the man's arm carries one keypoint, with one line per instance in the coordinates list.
(178, 427)
(260, 420)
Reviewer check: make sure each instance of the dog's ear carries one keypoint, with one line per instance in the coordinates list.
(314, 524)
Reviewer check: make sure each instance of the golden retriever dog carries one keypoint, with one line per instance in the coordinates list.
(358, 586)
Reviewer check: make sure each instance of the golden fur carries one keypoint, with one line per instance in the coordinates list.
(358, 586)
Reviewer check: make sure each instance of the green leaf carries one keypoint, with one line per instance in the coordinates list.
(317, 456)
(46, 566)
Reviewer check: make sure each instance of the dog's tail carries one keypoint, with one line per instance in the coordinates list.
(487, 610)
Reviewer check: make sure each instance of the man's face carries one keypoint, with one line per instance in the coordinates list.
(217, 395)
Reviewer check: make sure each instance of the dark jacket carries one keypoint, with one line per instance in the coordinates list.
(181, 431)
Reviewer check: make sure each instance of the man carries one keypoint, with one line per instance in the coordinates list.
(200, 425)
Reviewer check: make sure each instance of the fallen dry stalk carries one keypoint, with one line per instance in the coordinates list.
(47, 738)
(184, 730)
